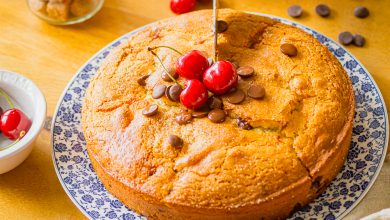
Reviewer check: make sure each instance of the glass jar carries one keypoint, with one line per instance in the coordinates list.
(65, 12)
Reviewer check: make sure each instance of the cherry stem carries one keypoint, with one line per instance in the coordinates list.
(168, 47)
(165, 69)
(4, 94)
(21, 134)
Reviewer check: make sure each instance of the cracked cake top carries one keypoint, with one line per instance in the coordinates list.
(299, 132)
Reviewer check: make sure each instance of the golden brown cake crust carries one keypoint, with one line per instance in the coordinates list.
(302, 128)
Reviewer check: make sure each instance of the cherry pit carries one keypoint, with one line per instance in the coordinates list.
(14, 123)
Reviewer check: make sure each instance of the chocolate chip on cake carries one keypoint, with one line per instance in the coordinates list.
(235, 97)
(256, 91)
(183, 118)
(245, 71)
(199, 114)
(345, 38)
(217, 115)
(172, 72)
(142, 80)
(175, 141)
(150, 110)
(243, 124)
(158, 91)
(295, 11)
(174, 92)
(361, 12)
(222, 26)
(214, 102)
(323, 10)
(358, 40)
(289, 49)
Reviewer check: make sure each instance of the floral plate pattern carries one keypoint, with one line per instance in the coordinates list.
(364, 161)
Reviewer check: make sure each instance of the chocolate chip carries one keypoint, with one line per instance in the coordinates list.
(361, 12)
(358, 40)
(289, 50)
(158, 91)
(295, 11)
(198, 114)
(236, 97)
(245, 71)
(175, 141)
(222, 26)
(142, 80)
(150, 110)
(174, 92)
(345, 38)
(214, 102)
(256, 91)
(183, 118)
(217, 115)
(167, 91)
(166, 77)
(323, 10)
(243, 124)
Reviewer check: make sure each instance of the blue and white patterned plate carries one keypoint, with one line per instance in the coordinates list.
(365, 158)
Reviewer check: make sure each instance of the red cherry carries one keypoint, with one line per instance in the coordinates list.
(194, 95)
(220, 77)
(182, 6)
(192, 65)
(14, 124)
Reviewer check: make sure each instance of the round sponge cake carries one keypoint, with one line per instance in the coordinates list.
(299, 141)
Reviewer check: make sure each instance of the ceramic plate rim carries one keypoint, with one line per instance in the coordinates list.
(348, 210)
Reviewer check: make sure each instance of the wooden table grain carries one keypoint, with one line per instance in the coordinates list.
(50, 56)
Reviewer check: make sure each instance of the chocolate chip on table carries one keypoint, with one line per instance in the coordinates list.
(150, 110)
(256, 91)
(166, 77)
(245, 71)
(183, 118)
(173, 92)
(199, 114)
(295, 11)
(222, 26)
(235, 97)
(217, 115)
(361, 12)
(175, 141)
(323, 10)
(289, 49)
(142, 80)
(358, 40)
(243, 124)
(345, 38)
(214, 102)
(158, 91)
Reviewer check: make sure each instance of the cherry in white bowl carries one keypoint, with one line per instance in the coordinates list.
(26, 97)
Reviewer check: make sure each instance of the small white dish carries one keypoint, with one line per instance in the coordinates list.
(27, 97)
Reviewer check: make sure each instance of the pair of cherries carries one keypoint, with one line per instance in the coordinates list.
(219, 78)
(14, 123)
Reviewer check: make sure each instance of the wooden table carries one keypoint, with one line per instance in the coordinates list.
(51, 55)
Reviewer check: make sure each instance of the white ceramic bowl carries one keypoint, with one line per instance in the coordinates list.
(27, 97)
